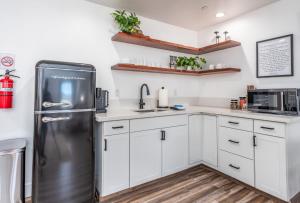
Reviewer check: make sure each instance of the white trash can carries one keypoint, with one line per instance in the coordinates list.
(12, 171)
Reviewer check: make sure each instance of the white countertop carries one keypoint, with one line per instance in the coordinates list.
(122, 114)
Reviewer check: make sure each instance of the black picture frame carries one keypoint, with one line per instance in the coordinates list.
(291, 36)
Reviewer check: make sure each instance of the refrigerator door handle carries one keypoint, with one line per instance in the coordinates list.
(51, 119)
(52, 104)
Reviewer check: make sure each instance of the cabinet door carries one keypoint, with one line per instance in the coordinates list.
(270, 165)
(115, 163)
(145, 156)
(174, 149)
(195, 139)
(210, 148)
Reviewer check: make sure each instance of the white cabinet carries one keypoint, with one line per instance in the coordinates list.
(115, 170)
(210, 148)
(236, 166)
(269, 128)
(236, 123)
(270, 165)
(195, 139)
(115, 127)
(174, 149)
(238, 142)
(145, 156)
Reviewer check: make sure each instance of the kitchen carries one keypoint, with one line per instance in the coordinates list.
(81, 31)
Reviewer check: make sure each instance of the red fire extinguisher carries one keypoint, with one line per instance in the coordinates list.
(6, 90)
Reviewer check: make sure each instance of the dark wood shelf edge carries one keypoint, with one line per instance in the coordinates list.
(147, 41)
(149, 69)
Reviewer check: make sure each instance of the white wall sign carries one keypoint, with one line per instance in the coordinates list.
(7, 61)
(275, 57)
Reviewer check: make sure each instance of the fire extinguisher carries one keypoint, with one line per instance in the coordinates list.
(6, 89)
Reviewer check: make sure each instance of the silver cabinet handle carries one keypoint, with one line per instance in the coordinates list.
(52, 104)
(51, 119)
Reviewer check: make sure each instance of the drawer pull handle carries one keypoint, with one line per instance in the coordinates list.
(233, 123)
(117, 127)
(267, 128)
(254, 141)
(163, 135)
(105, 144)
(235, 167)
(233, 141)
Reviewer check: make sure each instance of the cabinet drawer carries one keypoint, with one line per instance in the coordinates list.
(157, 122)
(237, 123)
(236, 141)
(237, 167)
(115, 127)
(269, 128)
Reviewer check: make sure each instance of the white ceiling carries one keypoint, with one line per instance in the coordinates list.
(187, 13)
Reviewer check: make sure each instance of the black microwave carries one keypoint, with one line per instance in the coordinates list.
(277, 101)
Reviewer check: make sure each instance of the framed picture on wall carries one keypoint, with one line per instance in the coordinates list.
(274, 57)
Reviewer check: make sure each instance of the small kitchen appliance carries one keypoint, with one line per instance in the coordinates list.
(277, 101)
(102, 100)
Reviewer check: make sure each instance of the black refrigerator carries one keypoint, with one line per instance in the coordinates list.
(63, 162)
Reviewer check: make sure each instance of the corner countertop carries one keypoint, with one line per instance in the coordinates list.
(123, 114)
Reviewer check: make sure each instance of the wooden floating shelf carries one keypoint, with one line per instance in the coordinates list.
(147, 41)
(149, 69)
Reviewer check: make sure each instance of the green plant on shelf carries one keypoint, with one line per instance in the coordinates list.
(190, 63)
(127, 22)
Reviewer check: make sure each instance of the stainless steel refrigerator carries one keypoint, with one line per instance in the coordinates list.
(63, 165)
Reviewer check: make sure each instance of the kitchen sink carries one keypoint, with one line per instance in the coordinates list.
(149, 110)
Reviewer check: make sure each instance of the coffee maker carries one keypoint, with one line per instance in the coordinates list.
(102, 100)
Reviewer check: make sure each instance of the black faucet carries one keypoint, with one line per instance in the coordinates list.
(142, 103)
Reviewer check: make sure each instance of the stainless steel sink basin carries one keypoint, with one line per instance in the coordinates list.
(149, 110)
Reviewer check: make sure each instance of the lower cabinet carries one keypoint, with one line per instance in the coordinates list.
(210, 146)
(270, 165)
(155, 153)
(237, 167)
(115, 170)
(254, 158)
(174, 149)
(195, 139)
(145, 156)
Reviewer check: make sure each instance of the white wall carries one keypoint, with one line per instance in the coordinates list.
(80, 31)
(77, 31)
(274, 20)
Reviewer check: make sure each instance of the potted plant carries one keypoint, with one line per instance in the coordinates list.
(190, 64)
(127, 22)
(182, 62)
(200, 63)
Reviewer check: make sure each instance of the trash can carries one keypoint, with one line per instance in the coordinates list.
(12, 171)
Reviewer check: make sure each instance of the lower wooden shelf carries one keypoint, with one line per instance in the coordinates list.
(140, 68)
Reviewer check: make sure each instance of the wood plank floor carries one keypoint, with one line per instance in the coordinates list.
(199, 184)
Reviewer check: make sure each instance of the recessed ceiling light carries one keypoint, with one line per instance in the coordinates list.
(220, 15)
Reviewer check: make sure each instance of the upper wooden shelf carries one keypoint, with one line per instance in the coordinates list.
(147, 41)
(149, 69)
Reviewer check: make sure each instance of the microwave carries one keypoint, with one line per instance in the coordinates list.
(277, 101)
